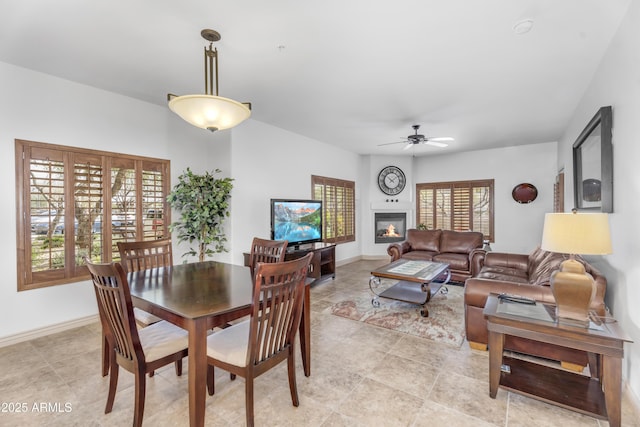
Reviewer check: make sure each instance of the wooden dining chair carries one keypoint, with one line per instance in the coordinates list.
(136, 256)
(252, 347)
(138, 351)
(267, 251)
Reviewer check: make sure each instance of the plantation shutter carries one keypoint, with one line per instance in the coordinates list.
(87, 207)
(45, 211)
(459, 206)
(338, 205)
(123, 203)
(73, 202)
(154, 190)
(443, 208)
(426, 207)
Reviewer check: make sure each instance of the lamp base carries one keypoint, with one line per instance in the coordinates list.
(573, 291)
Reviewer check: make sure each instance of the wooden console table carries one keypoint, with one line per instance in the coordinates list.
(598, 395)
(323, 263)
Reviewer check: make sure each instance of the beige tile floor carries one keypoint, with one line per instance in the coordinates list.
(361, 376)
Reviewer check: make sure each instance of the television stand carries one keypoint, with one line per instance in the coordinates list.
(323, 263)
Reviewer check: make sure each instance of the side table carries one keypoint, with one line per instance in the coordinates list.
(597, 395)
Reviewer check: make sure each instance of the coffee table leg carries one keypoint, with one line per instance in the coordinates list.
(496, 346)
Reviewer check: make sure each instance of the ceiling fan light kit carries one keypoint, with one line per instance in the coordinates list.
(209, 111)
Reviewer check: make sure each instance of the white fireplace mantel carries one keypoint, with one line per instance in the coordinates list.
(391, 206)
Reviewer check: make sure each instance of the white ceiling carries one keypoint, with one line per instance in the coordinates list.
(354, 73)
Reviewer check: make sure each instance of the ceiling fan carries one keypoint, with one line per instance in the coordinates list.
(416, 139)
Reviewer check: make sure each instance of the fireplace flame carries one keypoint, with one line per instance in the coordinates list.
(391, 231)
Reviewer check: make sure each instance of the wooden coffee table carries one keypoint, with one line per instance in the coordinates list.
(417, 282)
(598, 395)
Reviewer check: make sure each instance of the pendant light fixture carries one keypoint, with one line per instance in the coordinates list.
(209, 111)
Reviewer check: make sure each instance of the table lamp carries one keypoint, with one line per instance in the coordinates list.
(575, 233)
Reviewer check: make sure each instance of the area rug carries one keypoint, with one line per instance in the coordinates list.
(445, 322)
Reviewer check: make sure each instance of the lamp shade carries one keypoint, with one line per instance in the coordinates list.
(209, 111)
(577, 233)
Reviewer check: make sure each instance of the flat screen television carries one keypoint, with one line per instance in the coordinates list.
(296, 220)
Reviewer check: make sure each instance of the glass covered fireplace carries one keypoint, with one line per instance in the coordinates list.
(390, 226)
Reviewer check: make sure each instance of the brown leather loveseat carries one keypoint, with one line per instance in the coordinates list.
(525, 275)
(462, 250)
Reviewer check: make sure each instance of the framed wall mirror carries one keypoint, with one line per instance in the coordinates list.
(593, 164)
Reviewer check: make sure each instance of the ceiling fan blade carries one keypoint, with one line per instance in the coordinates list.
(409, 145)
(441, 138)
(391, 143)
(436, 143)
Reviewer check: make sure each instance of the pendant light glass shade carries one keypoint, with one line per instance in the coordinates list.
(209, 112)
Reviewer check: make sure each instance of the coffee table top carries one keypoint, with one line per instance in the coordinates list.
(411, 270)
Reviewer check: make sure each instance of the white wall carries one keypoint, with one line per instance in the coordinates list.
(518, 227)
(617, 83)
(269, 162)
(42, 108)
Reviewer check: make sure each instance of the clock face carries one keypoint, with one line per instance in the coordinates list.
(391, 180)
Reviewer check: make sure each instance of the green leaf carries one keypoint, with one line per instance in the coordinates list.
(203, 202)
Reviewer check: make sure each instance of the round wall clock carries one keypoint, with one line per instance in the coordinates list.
(391, 180)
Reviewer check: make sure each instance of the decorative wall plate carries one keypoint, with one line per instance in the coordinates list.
(524, 193)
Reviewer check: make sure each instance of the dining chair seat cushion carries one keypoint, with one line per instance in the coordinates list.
(230, 344)
(162, 339)
(143, 318)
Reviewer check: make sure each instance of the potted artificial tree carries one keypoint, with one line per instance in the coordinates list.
(203, 202)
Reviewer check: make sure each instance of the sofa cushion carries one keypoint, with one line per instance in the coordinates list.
(542, 272)
(504, 273)
(502, 276)
(535, 257)
(419, 255)
(424, 240)
(455, 261)
(460, 242)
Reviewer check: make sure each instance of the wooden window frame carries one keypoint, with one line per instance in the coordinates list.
(71, 161)
(332, 208)
(452, 185)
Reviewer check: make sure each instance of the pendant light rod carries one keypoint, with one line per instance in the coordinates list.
(210, 61)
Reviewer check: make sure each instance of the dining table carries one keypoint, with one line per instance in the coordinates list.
(198, 297)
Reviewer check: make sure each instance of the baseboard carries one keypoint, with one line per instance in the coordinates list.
(348, 261)
(361, 258)
(47, 330)
(633, 398)
(375, 257)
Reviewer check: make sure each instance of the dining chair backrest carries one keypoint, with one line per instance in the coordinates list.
(142, 255)
(266, 251)
(276, 308)
(116, 310)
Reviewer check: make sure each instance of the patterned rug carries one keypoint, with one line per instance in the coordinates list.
(445, 322)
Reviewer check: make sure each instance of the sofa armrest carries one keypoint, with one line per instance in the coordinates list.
(476, 291)
(476, 261)
(395, 250)
(501, 259)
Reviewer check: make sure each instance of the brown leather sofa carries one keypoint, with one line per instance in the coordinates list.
(462, 250)
(525, 275)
